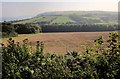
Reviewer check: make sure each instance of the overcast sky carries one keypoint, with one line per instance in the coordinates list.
(26, 8)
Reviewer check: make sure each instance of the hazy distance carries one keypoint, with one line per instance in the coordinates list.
(21, 10)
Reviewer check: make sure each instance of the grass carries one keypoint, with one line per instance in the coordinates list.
(92, 18)
(28, 21)
(36, 19)
(107, 23)
(63, 17)
(62, 20)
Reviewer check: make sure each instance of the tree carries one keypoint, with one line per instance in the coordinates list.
(27, 28)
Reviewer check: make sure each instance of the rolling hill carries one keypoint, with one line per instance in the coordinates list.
(73, 18)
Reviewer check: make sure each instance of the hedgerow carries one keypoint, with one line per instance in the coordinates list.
(20, 62)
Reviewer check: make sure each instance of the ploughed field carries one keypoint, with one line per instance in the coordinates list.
(62, 42)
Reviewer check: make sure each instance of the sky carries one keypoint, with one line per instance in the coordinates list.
(58, 0)
(30, 8)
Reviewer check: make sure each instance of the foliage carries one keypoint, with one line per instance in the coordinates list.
(8, 29)
(77, 28)
(12, 30)
(27, 28)
(20, 62)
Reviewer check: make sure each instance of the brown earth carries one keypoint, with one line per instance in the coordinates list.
(61, 42)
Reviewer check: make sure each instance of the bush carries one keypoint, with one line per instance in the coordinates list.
(6, 35)
(12, 30)
(8, 30)
(20, 62)
(27, 28)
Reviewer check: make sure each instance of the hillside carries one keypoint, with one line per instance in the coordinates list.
(73, 17)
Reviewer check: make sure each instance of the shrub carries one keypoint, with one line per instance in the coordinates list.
(6, 35)
(27, 28)
(20, 62)
(8, 29)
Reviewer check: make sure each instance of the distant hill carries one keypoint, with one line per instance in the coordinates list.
(73, 18)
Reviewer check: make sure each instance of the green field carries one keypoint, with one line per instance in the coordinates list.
(36, 19)
(62, 20)
(73, 17)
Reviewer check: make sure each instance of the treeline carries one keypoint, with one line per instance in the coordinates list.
(78, 28)
(9, 29)
(102, 61)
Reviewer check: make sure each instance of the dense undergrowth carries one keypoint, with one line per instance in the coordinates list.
(102, 62)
